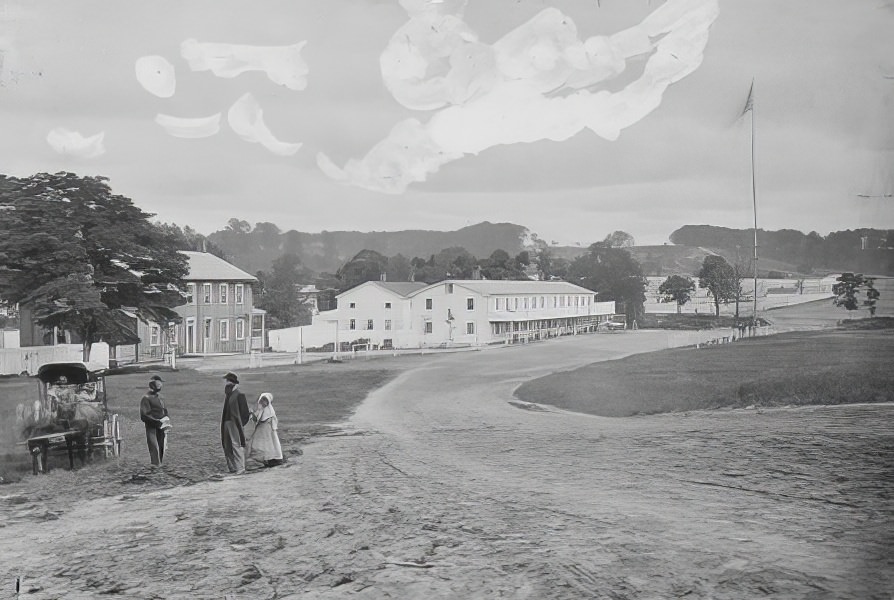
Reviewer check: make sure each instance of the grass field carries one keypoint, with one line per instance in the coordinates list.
(307, 400)
(830, 367)
(789, 369)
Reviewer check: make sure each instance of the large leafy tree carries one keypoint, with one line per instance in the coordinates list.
(677, 288)
(614, 274)
(719, 278)
(849, 286)
(76, 254)
(279, 293)
(499, 265)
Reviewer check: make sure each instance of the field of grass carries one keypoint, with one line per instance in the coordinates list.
(828, 367)
(307, 399)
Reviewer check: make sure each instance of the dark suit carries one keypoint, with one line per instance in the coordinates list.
(152, 410)
(232, 429)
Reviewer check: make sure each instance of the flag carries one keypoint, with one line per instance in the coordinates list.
(749, 102)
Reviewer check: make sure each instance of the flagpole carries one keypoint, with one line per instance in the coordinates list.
(753, 198)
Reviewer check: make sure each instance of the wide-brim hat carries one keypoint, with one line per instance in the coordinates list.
(156, 378)
(231, 377)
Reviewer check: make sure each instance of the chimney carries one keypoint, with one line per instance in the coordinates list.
(476, 272)
(383, 276)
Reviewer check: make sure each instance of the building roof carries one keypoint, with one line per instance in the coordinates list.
(504, 287)
(400, 288)
(207, 267)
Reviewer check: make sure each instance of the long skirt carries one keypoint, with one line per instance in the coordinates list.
(264, 443)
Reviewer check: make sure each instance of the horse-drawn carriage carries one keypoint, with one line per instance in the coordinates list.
(69, 416)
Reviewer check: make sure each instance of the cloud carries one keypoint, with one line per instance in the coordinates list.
(247, 119)
(408, 154)
(156, 75)
(72, 143)
(282, 64)
(533, 84)
(197, 127)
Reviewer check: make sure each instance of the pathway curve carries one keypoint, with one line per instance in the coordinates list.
(444, 486)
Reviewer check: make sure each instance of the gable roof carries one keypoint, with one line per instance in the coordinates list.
(399, 288)
(207, 267)
(402, 288)
(501, 287)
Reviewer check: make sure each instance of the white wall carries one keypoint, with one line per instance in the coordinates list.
(9, 338)
(309, 336)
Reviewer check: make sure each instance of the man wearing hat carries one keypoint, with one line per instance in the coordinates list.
(154, 414)
(232, 424)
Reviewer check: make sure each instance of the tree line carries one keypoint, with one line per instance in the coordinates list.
(866, 250)
(77, 254)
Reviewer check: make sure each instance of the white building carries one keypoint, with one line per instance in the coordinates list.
(771, 293)
(449, 313)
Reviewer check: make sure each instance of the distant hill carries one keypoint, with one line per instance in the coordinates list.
(783, 252)
(255, 248)
(870, 251)
(670, 259)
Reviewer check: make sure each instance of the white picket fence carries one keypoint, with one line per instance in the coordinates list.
(18, 361)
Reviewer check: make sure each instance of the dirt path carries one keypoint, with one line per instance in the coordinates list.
(442, 486)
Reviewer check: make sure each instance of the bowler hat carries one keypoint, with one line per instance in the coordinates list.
(231, 377)
(156, 378)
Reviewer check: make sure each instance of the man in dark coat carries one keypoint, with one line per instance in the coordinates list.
(154, 414)
(232, 424)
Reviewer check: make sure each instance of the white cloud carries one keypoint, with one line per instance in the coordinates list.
(247, 119)
(282, 64)
(530, 85)
(196, 127)
(72, 143)
(156, 75)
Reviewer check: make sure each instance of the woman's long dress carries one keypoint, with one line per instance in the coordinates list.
(264, 443)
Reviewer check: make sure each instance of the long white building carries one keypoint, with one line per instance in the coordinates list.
(449, 313)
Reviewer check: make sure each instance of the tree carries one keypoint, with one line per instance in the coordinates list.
(279, 293)
(678, 289)
(502, 266)
(614, 274)
(456, 262)
(399, 268)
(849, 286)
(543, 258)
(719, 278)
(190, 239)
(741, 266)
(366, 265)
(76, 254)
(619, 239)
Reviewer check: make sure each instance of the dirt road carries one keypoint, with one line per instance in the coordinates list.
(443, 486)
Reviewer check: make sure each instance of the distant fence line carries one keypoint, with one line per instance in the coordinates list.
(27, 360)
(705, 337)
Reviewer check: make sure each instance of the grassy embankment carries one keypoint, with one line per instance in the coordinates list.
(308, 399)
(828, 367)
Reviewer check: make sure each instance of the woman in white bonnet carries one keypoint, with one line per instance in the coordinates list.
(264, 444)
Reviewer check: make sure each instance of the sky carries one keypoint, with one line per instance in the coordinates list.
(574, 118)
